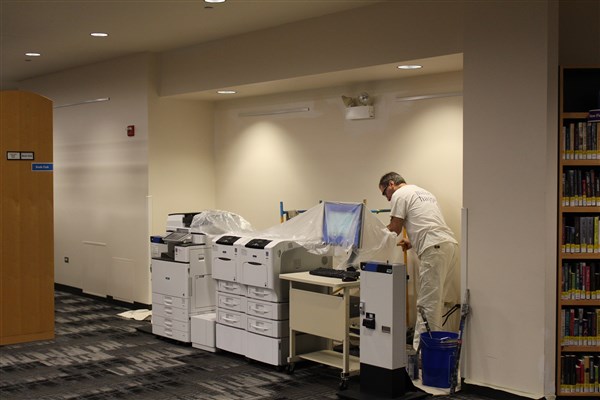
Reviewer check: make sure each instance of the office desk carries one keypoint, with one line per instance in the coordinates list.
(320, 306)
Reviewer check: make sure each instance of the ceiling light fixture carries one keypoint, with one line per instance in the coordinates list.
(428, 96)
(226, 91)
(214, 1)
(99, 34)
(32, 54)
(274, 112)
(84, 102)
(413, 66)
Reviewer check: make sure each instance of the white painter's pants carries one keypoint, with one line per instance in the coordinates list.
(436, 291)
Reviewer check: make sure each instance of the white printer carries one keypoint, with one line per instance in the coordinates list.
(182, 283)
(267, 327)
(262, 260)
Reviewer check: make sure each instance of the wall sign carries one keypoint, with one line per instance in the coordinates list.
(20, 155)
(42, 167)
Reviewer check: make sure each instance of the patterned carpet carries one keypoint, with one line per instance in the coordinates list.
(99, 355)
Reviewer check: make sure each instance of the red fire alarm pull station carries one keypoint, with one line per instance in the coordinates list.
(130, 130)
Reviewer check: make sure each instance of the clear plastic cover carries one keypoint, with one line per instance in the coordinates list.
(377, 243)
(216, 222)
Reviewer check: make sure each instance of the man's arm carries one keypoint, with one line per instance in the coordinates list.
(396, 225)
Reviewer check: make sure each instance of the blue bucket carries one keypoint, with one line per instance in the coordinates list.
(438, 354)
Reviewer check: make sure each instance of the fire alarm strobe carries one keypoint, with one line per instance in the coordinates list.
(131, 130)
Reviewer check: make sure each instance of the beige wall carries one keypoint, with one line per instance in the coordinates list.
(510, 138)
(181, 159)
(101, 177)
(301, 158)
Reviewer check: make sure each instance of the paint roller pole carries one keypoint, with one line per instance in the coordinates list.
(464, 312)
(422, 312)
(405, 254)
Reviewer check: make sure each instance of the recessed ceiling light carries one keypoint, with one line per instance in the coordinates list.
(414, 66)
(214, 1)
(32, 54)
(99, 34)
(226, 91)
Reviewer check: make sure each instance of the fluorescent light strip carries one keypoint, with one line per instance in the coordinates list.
(83, 102)
(274, 112)
(428, 96)
(408, 67)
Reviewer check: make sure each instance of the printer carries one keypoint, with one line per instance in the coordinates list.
(182, 283)
(178, 231)
(262, 260)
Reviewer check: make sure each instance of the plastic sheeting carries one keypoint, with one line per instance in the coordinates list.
(216, 222)
(377, 244)
(306, 229)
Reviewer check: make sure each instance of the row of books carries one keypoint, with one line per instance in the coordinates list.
(579, 373)
(580, 141)
(580, 234)
(580, 326)
(581, 187)
(580, 280)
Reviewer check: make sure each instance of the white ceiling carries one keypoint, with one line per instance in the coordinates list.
(60, 31)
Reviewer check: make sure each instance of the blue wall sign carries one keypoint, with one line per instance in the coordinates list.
(42, 166)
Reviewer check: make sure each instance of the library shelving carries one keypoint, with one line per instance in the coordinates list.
(578, 269)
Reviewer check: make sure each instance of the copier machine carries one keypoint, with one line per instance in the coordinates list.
(182, 283)
(252, 307)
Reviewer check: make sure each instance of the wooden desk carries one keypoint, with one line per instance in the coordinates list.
(320, 306)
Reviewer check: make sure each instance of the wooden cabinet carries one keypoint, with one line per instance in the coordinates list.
(26, 218)
(578, 270)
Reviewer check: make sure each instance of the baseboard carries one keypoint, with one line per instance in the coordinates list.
(491, 393)
(108, 299)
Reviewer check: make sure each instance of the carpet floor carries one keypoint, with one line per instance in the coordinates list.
(98, 355)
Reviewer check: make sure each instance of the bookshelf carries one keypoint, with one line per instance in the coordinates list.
(578, 269)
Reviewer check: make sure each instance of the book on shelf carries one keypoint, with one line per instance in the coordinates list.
(579, 326)
(579, 373)
(580, 234)
(580, 140)
(580, 280)
(580, 187)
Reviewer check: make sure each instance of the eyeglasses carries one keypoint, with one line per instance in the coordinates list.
(385, 189)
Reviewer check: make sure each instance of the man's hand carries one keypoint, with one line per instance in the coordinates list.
(405, 244)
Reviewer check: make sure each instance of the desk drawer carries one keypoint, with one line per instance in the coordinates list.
(265, 294)
(266, 309)
(232, 302)
(230, 339)
(231, 287)
(171, 323)
(182, 336)
(174, 301)
(268, 327)
(166, 311)
(269, 350)
(231, 318)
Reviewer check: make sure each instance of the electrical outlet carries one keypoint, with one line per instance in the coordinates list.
(67, 260)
